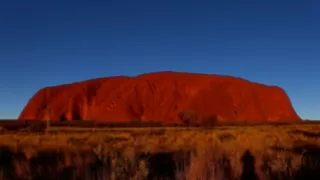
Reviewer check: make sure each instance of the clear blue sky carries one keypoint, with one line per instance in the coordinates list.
(49, 42)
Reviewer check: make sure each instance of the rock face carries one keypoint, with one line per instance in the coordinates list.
(161, 96)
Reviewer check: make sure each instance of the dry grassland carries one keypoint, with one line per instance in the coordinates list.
(224, 152)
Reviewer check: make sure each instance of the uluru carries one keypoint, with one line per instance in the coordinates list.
(160, 97)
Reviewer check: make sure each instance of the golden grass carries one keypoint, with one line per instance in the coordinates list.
(208, 146)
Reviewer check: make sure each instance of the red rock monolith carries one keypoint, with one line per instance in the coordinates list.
(161, 96)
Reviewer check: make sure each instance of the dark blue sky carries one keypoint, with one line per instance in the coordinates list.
(46, 42)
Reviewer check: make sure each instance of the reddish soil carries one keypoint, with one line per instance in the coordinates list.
(161, 96)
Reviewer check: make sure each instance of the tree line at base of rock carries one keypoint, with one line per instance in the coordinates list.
(189, 118)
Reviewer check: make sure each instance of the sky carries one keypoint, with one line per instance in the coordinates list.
(51, 42)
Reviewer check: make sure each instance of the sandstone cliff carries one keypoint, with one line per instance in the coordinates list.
(161, 96)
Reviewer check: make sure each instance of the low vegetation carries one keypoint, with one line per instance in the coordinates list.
(220, 152)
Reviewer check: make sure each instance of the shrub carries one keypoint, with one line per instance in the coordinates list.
(226, 137)
(135, 122)
(189, 117)
(2, 130)
(211, 120)
(37, 127)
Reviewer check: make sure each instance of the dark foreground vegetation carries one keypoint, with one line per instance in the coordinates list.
(71, 150)
(163, 165)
